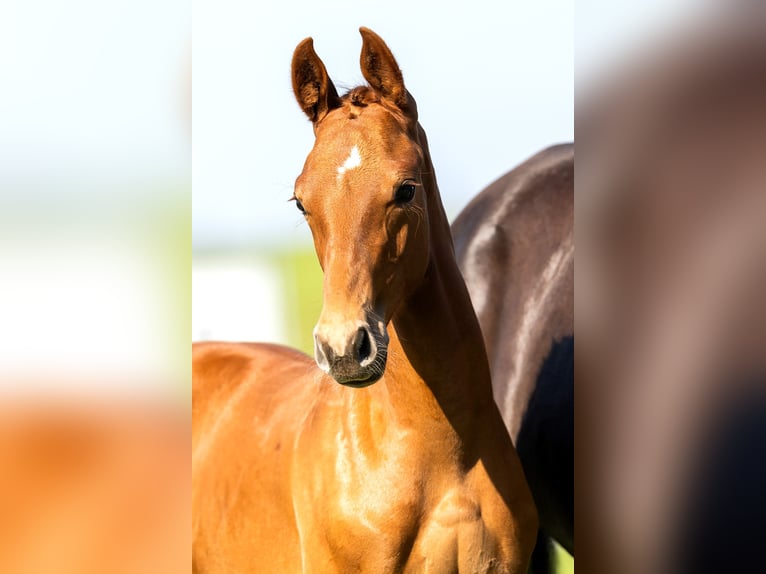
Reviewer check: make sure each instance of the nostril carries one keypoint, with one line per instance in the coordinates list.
(320, 354)
(362, 345)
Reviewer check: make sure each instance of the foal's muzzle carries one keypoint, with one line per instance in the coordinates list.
(354, 354)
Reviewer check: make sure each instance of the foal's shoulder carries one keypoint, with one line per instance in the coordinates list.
(224, 368)
(222, 353)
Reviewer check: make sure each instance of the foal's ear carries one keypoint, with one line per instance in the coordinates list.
(313, 88)
(380, 68)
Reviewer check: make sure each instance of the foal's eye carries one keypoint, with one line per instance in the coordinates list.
(405, 193)
(299, 205)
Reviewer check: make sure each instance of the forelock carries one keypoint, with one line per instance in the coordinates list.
(361, 96)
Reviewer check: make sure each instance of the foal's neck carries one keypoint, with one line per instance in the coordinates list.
(436, 343)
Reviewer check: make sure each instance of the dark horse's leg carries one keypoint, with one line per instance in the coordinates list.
(545, 444)
(543, 557)
(723, 529)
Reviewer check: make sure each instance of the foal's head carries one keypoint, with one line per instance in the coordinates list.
(362, 195)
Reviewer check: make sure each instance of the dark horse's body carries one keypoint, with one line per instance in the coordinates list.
(515, 246)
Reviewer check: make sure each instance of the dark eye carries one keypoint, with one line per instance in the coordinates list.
(299, 205)
(405, 193)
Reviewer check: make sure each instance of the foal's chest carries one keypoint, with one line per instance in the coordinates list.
(390, 522)
(454, 538)
(389, 503)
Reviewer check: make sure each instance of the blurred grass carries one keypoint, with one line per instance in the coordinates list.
(302, 286)
(564, 562)
(168, 237)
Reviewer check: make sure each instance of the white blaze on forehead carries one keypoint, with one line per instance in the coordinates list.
(353, 160)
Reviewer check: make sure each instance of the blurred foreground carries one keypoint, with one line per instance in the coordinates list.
(94, 488)
(95, 258)
(671, 317)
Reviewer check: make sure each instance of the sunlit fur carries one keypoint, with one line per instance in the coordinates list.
(294, 472)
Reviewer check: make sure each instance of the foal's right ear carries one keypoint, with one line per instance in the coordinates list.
(312, 86)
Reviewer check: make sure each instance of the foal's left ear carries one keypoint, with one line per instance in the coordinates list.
(381, 70)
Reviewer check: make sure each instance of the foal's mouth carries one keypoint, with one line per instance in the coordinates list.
(364, 376)
(354, 384)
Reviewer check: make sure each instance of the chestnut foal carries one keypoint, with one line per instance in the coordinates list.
(392, 455)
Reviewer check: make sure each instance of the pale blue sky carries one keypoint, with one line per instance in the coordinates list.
(494, 84)
(95, 94)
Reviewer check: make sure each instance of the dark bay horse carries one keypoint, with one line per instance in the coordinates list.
(515, 246)
(387, 454)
